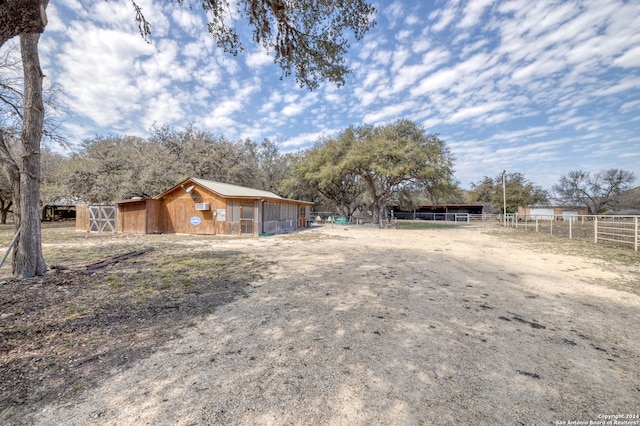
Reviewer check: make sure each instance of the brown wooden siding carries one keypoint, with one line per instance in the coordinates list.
(180, 208)
(155, 217)
(132, 217)
(82, 217)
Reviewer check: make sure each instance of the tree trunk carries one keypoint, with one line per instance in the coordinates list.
(4, 212)
(376, 210)
(12, 173)
(28, 260)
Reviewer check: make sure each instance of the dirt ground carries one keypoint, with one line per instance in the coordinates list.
(362, 326)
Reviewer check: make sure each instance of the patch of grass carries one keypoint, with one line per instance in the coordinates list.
(77, 388)
(92, 339)
(74, 312)
(114, 282)
(311, 236)
(186, 282)
(46, 363)
(559, 245)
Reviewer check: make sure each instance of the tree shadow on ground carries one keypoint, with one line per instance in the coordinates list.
(66, 332)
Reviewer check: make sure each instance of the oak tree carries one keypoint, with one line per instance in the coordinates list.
(385, 159)
(595, 190)
(320, 170)
(519, 192)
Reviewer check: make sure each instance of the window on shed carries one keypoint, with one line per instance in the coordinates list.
(247, 210)
(233, 211)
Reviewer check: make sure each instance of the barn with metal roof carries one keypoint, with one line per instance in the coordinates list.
(198, 206)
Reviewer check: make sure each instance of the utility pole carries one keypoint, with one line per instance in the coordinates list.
(504, 197)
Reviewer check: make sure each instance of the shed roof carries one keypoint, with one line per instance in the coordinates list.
(228, 190)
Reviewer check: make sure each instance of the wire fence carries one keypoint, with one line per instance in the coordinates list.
(622, 231)
(358, 218)
(617, 230)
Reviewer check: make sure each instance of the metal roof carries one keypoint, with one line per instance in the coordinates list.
(228, 190)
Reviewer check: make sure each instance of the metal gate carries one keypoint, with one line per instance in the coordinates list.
(246, 226)
(102, 218)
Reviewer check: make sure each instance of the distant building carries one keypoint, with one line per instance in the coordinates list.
(439, 211)
(551, 212)
(59, 210)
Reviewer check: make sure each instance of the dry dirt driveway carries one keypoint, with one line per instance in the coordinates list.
(360, 326)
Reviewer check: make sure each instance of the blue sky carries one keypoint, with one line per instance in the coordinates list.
(537, 87)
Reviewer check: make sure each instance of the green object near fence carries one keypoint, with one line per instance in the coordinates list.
(342, 220)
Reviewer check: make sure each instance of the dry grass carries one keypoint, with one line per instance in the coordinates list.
(553, 244)
(67, 330)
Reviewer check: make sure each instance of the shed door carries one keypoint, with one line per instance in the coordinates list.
(246, 218)
(541, 213)
(102, 218)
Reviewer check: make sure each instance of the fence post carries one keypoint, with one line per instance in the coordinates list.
(551, 225)
(595, 230)
(570, 222)
(536, 224)
(635, 244)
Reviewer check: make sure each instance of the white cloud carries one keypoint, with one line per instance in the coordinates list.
(188, 20)
(440, 80)
(408, 75)
(473, 12)
(626, 84)
(404, 35)
(444, 17)
(373, 77)
(100, 85)
(412, 20)
(630, 106)
(394, 12)
(163, 108)
(258, 59)
(303, 139)
(629, 59)
(390, 112)
(475, 111)
(296, 105)
(399, 58)
(207, 76)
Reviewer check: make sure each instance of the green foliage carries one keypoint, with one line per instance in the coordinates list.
(114, 168)
(392, 156)
(377, 161)
(309, 38)
(360, 166)
(320, 171)
(52, 181)
(519, 191)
